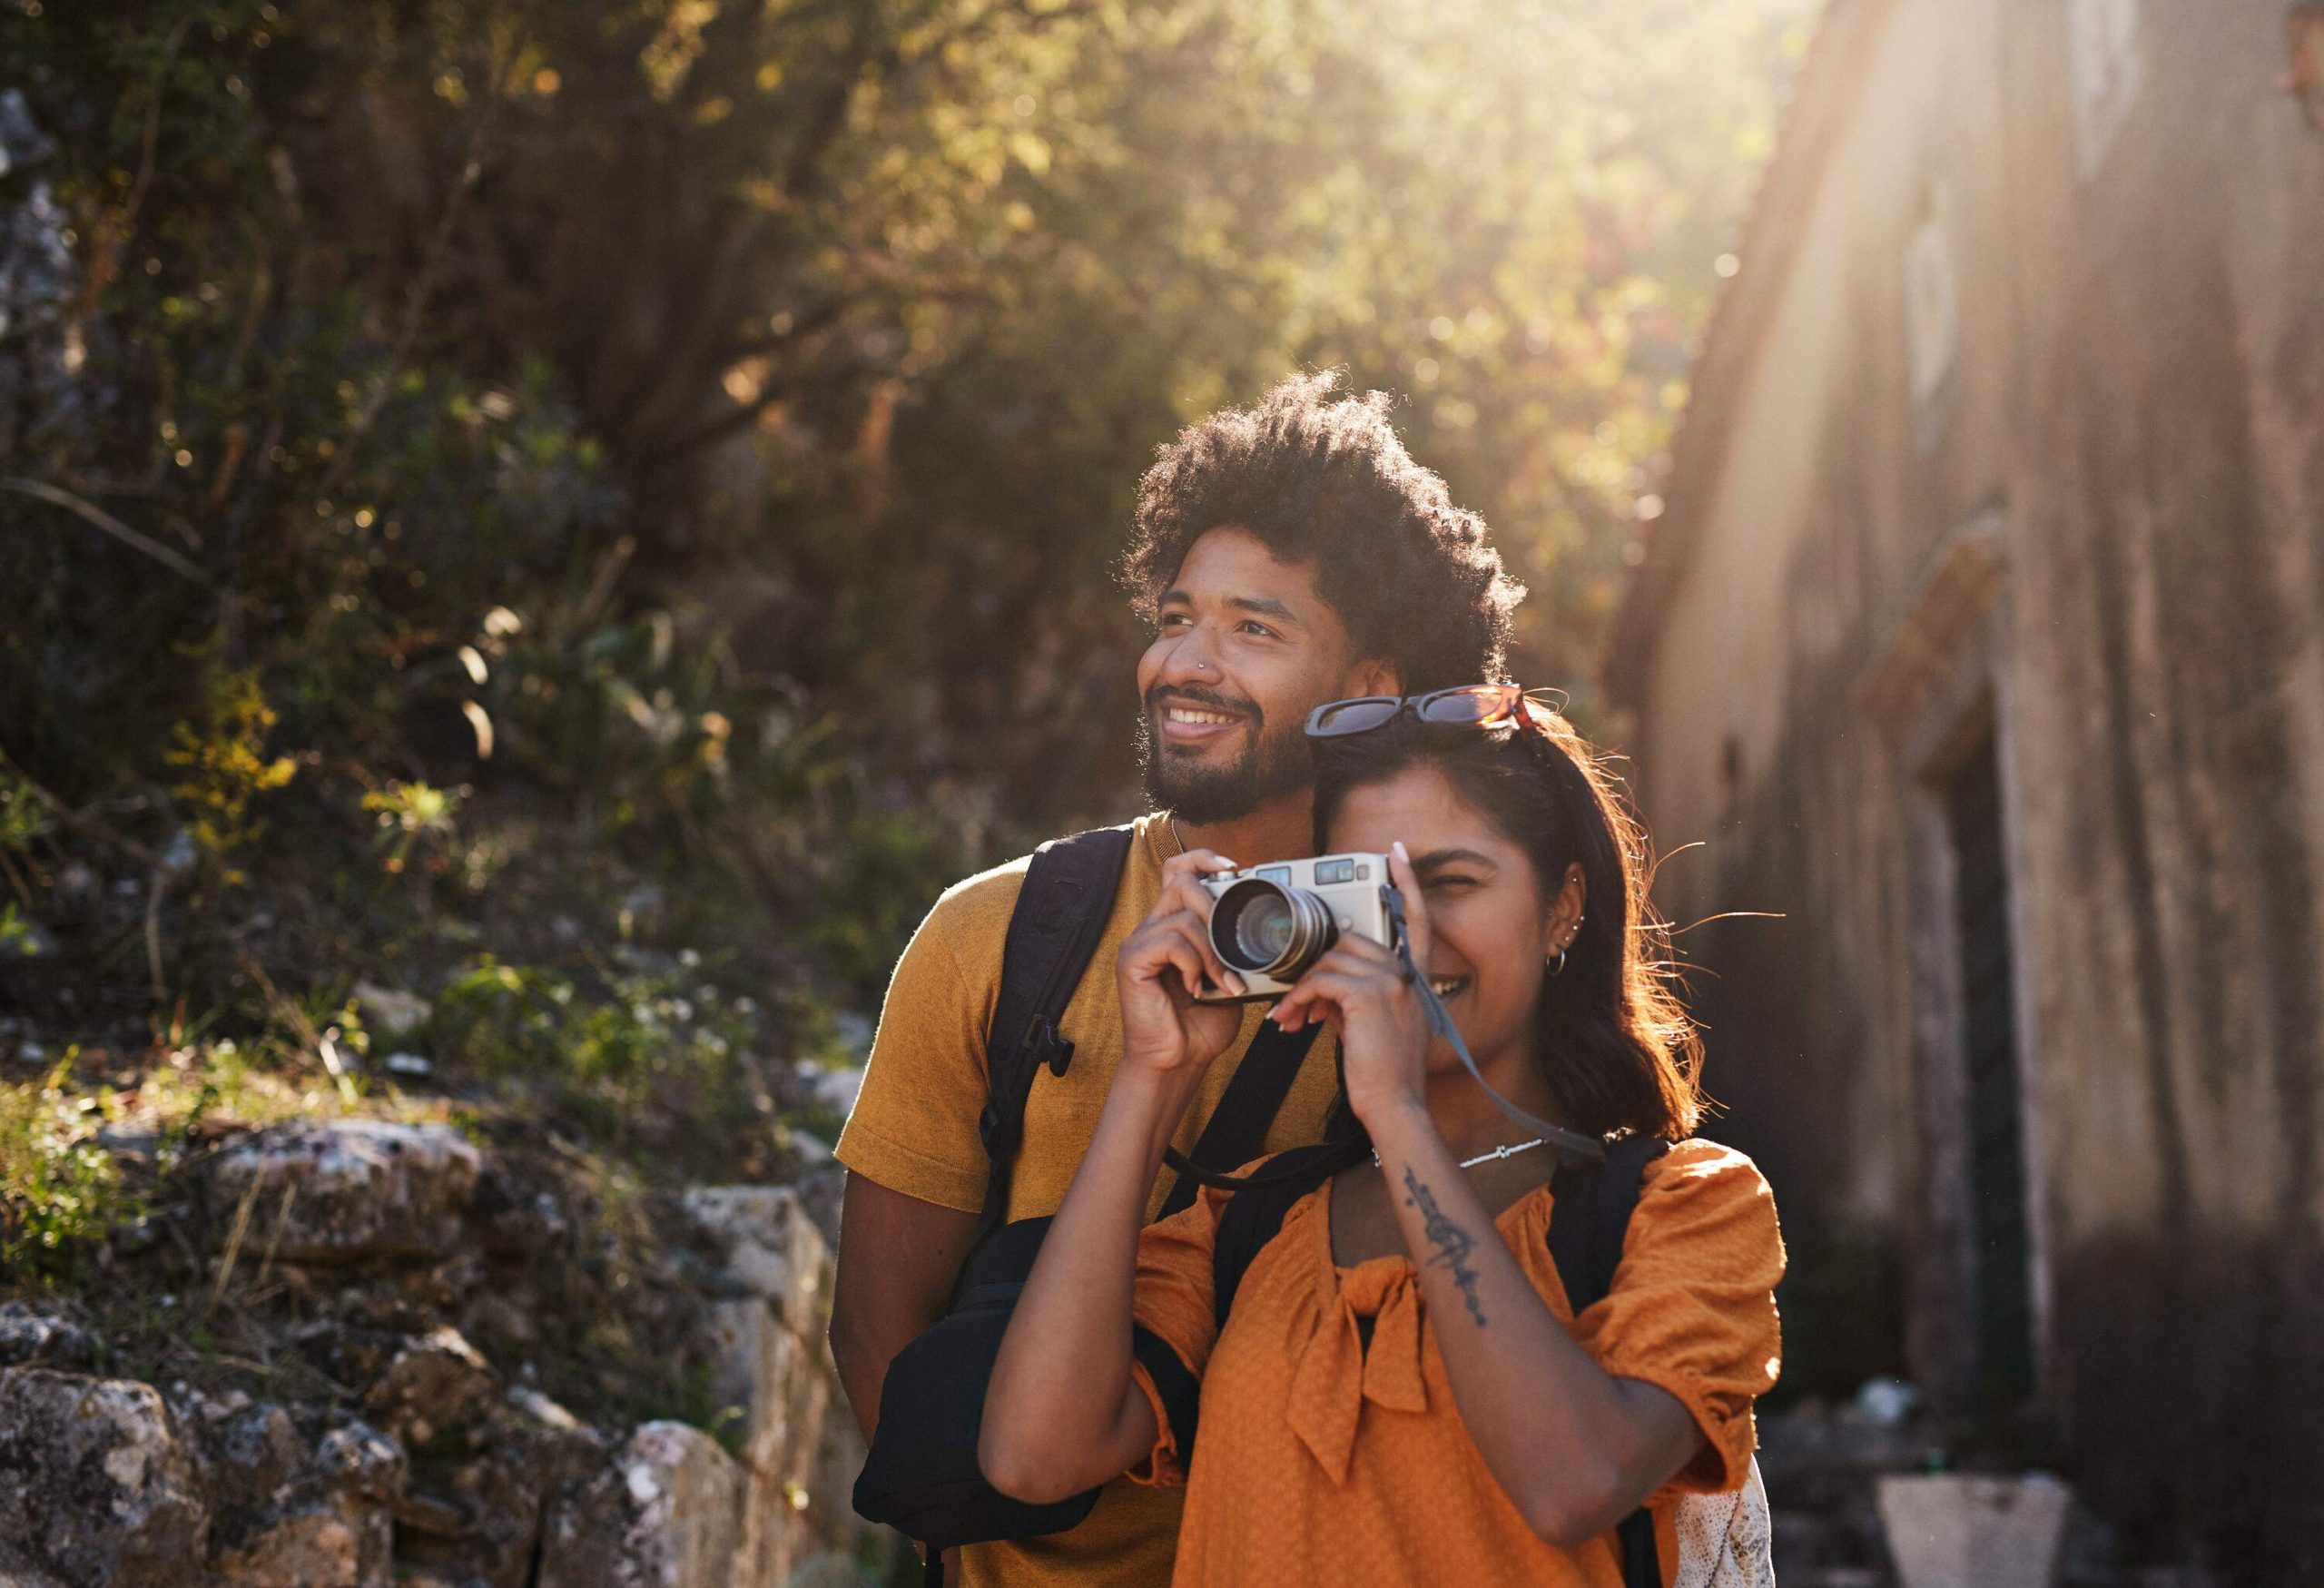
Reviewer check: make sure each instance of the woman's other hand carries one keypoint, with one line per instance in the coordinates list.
(1164, 1031)
(1361, 988)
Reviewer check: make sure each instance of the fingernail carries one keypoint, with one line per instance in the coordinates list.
(1231, 981)
(1401, 853)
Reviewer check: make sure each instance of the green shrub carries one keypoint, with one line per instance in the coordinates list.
(650, 1050)
(61, 1191)
(224, 766)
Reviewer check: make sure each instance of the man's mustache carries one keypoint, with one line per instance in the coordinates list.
(1160, 693)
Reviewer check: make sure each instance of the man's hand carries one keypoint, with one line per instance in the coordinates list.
(1164, 1031)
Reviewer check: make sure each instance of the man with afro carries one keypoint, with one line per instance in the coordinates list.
(1282, 555)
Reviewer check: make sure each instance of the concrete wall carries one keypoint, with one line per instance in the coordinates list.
(2091, 517)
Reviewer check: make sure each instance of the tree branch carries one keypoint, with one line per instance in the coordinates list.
(88, 512)
(802, 326)
(423, 287)
(747, 414)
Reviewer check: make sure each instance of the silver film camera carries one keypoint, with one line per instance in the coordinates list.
(1271, 923)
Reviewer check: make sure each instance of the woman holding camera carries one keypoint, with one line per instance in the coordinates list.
(1401, 1393)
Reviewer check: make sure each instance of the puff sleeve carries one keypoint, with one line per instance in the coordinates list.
(1174, 1328)
(1693, 1310)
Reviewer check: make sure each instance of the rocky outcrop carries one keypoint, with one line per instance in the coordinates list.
(435, 1381)
(296, 1504)
(770, 1247)
(415, 1281)
(32, 1338)
(770, 1363)
(346, 1191)
(96, 1484)
(474, 1518)
(667, 1511)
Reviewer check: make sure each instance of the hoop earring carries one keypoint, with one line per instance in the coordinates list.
(1559, 970)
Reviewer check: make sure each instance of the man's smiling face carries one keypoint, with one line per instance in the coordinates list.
(1244, 648)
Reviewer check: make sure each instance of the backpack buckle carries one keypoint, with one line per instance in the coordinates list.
(1057, 1051)
(990, 1130)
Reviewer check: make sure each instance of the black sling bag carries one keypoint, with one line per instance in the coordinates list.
(1589, 1211)
(921, 1475)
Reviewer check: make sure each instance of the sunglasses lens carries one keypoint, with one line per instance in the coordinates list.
(1482, 703)
(1351, 717)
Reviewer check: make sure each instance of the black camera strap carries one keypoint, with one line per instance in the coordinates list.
(1569, 1145)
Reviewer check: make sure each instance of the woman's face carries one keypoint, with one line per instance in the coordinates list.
(1492, 922)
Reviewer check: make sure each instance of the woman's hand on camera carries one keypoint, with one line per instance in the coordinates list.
(1361, 988)
(1163, 1030)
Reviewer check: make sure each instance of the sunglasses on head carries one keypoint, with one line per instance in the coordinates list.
(1477, 706)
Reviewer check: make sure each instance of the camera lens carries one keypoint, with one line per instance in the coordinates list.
(1263, 928)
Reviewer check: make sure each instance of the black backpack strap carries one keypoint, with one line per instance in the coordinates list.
(1237, 1130)
(1589, 1213)
(1060, 917)
(1252, 1215)
(1248, 1222)
(1590, 1210)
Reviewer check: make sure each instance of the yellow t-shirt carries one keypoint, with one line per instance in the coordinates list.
(915, 1130)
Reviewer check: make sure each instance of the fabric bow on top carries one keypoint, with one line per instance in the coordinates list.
(1336, 1374)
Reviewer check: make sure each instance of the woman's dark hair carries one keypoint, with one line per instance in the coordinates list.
(1315, 473)
(1614, 1043)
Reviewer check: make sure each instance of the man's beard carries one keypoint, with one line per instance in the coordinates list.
(1271, 765)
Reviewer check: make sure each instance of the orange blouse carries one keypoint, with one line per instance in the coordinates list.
(1322, 1462)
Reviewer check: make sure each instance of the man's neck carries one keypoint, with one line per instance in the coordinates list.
(1277, 829)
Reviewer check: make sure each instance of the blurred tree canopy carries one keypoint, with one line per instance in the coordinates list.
(702, 426)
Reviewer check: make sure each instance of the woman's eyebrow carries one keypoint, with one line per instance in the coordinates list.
(1437, 857)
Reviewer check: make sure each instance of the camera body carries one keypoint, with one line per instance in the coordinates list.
(1270, 923)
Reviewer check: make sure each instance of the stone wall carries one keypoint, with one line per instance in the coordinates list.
(431, 1466)
(2019, 429)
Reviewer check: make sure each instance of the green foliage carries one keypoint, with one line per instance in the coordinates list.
(476, 338)
(870, 894)
(22, 817)
(17, 938)
(674, 447)
(412, 814)
(222, 764)
(504, 1018)
(663, 1037)
(60, 1191)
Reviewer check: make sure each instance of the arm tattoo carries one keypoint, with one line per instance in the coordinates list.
(1451, 1242)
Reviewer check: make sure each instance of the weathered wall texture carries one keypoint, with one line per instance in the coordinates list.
(2013, 425)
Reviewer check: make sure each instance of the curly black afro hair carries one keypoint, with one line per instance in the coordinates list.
(1320, 475)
